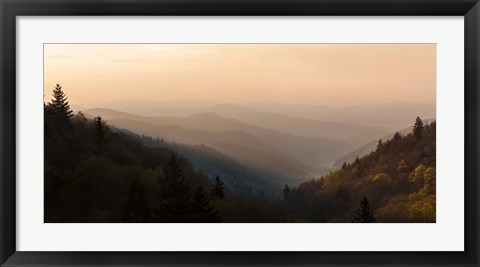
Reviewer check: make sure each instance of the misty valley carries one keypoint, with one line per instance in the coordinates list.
(254, 162)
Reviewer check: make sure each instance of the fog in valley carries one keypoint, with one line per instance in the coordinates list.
(287, 143)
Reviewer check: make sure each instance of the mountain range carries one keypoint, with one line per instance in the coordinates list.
(265, 139)
(385, 115)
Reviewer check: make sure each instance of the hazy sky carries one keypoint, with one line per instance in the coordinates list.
(319, 74)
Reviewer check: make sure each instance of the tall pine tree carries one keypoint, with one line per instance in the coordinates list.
(202, 211)
(418, 128)
(100, 132)
(59, 106)
(397, 137)
(175, 195)
(364, 214)
(379, 145)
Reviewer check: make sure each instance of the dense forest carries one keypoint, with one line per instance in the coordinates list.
(97, 173)
(239, 179)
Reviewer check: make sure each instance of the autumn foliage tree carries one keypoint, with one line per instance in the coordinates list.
(398, 178)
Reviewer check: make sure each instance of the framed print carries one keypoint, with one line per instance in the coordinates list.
(239, 133)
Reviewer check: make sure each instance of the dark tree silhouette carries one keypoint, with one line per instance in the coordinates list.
(59, 106)
(175, 194)
(418, 128)
(397, 137)
(202, 211)
(342, 193)
(100, 132)
(344, 166)
(218, 189)
(136, 206)
(286, 191)
(379, 144)
(364, 214)
(358, 167)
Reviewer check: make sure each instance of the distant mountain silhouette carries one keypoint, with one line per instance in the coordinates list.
(317, 128)
(240, 145)
(271, 144)
(387, 115)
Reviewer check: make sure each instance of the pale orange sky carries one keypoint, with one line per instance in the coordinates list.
(318, 74)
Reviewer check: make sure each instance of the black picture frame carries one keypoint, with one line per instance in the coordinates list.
(10, 9)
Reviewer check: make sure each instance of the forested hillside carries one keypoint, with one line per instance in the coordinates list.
(95, 174)
(395, 183)
(239, 179)
(98, 173)
(371, 145)
(289, 158)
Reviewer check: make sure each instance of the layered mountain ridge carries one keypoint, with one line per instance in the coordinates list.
(283, 148)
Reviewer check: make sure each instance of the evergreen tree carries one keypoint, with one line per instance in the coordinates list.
(344, 166)
(379, 144)
(358, 169)
(59, 106)
(202, 212)
(48, 121)
(136, 207)
(80, 120)
(100, 132)
(218, 189)
(364, 214)
(418, 128)
(175, 194)
(397, 137)
(286, 191)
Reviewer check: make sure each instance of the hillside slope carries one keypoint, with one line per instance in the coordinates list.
(239, 179)
(241, 146)
(297, 126)
(369, 147)
(398, 179)
(97, 174)
(310, 156)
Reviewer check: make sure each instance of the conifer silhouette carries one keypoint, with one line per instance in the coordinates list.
(136, 207)
(397, 137)
(418, 128)
(218, 189)
(100, 132)
(201, 210)
(59, 106)
(364, 214)
(175, 195)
